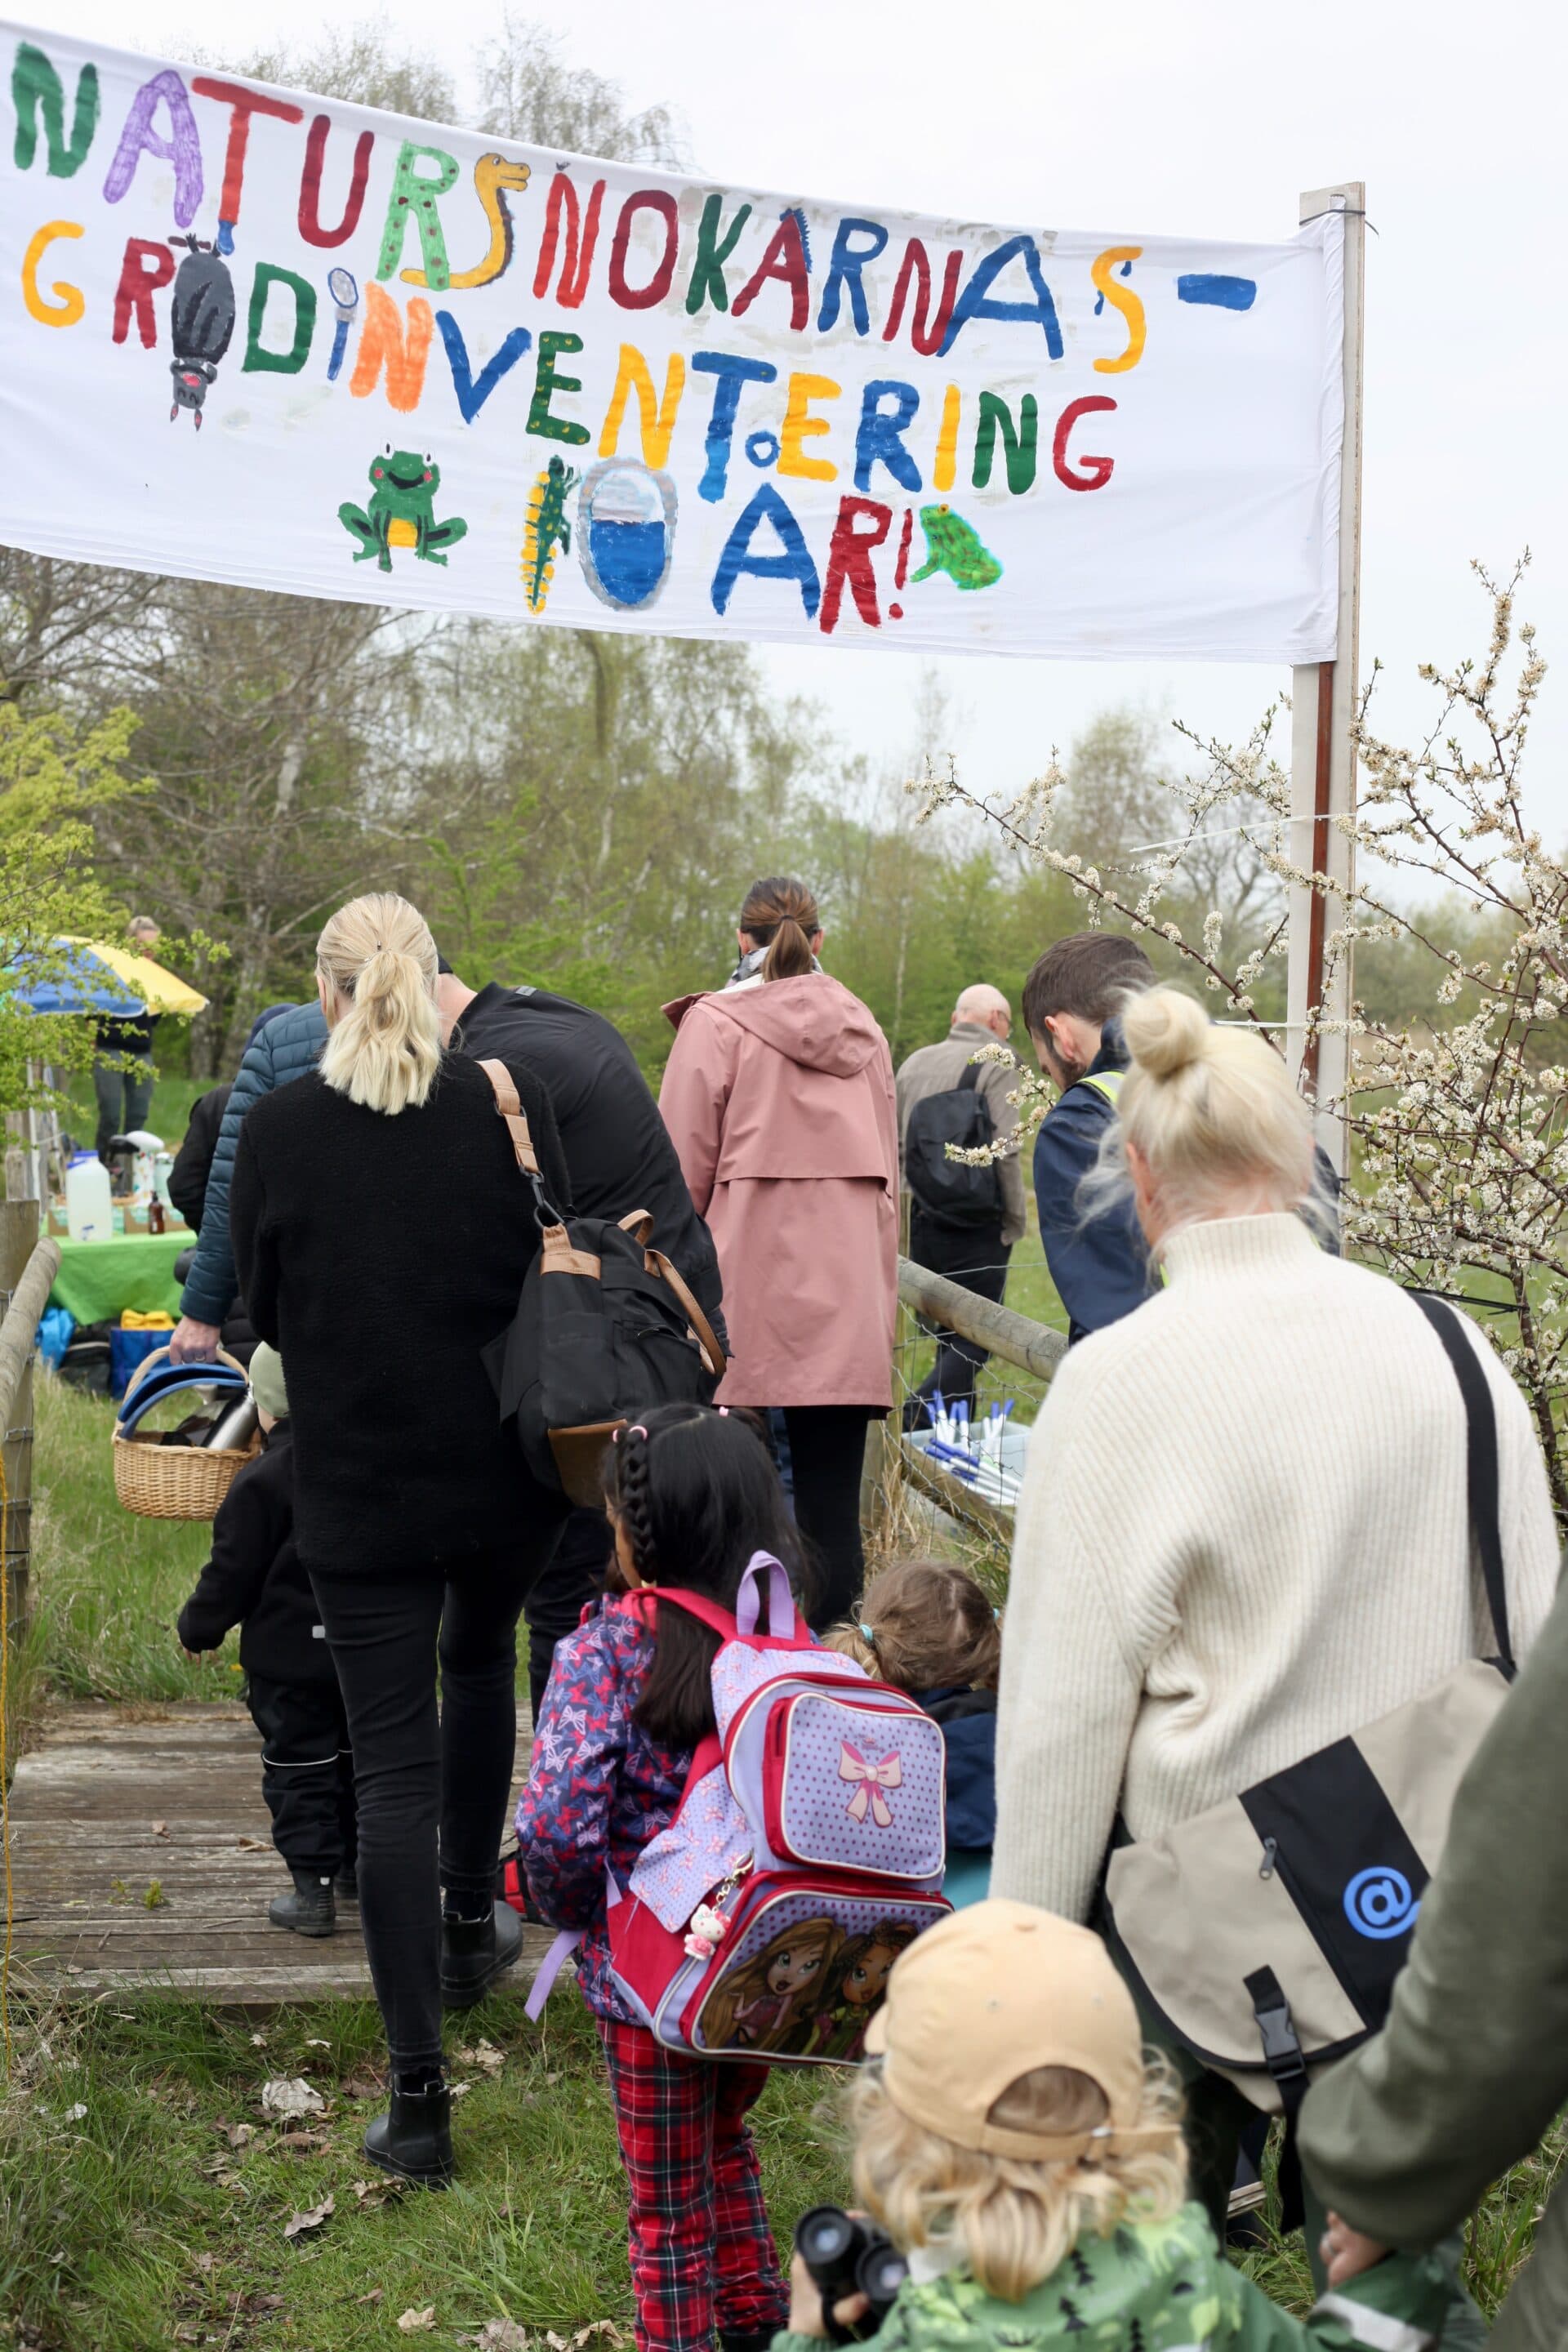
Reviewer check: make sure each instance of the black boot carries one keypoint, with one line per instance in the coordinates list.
(759, 2342)
(414, 2138)
(347, 1883)
(310, 1910)
(474, 1952)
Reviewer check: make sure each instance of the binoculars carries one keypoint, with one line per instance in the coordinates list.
(846, 2257)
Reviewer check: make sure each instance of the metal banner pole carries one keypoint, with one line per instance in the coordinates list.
(1322, 757)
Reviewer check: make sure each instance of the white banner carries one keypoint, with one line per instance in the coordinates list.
(258, 336)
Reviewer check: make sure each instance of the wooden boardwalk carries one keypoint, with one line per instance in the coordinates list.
(112, 1802)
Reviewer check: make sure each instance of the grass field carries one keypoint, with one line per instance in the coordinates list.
(146, 2196)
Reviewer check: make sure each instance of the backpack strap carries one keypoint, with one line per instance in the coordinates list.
(713, 1355)
(786, 1631)
(507, 1103)
(780, 1600)
(970, 1080)
(510, 1107)
(1481, 1461)
(1286, 2061)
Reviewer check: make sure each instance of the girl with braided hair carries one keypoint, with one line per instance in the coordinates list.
(690, 1492)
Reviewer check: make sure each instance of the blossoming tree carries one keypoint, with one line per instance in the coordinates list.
(1458, 1118)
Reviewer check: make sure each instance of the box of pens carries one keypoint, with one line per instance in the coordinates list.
(984, 1452)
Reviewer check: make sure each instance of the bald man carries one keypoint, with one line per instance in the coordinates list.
(969, 1241)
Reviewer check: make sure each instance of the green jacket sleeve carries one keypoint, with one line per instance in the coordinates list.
(1400, 2307)
(1403, 2137)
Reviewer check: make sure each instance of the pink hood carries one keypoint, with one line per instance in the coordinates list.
(814, 1019)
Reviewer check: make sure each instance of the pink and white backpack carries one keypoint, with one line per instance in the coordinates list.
(806, 1853)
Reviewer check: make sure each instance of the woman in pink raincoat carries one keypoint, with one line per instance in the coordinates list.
(779, 1096)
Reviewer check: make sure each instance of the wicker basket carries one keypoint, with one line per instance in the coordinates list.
(174, 1482)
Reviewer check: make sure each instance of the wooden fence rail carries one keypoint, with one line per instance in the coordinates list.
(28, 1269)
(1032, 1346)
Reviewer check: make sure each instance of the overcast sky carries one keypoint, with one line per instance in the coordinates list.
(1206, 119)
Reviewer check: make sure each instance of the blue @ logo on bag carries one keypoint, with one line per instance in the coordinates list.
(1379, 1903)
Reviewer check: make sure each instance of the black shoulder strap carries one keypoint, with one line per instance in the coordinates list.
(970, 1079)
(1482, 1460)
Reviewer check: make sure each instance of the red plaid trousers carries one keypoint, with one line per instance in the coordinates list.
(701, 2251)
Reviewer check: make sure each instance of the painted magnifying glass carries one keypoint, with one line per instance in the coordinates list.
(344, 290)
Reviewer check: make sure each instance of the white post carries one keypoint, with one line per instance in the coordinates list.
(1323, 758)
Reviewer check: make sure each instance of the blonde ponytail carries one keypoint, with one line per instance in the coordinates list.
(1211, 1111)
(377, 955)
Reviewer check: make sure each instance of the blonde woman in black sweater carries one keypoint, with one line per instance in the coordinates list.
(382, 1232)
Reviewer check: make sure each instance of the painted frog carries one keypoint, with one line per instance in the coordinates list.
(401, 511)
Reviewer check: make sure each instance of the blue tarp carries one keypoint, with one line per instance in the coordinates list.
(84, 984)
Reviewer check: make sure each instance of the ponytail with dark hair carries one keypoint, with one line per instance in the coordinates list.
(780, 914)
(696, 1492)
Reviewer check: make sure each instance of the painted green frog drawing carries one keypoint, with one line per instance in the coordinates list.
(955, 546)
(401, 511)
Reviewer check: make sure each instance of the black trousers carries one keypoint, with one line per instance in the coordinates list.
(433, 1783)
(976, 1256)
(571, 1577)
(828, 1451)
(307, 1772)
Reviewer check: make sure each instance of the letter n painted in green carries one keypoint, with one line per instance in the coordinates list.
(413, 198)
(35, 89)
(258, 359)
(713, 252)
(1018, 447)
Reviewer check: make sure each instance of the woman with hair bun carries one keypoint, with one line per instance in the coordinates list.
(1244, 1532)
(778, 1096)
(382, 1232)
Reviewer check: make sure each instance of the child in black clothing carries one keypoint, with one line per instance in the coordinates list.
(926, 1627)
(255, 1580)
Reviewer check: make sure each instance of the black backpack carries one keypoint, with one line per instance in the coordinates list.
(950, 1191)
(606, 1327)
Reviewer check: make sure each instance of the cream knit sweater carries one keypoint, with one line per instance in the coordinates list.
(1243, 1534)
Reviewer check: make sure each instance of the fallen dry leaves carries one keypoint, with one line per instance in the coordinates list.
(311, 2218)
(416, 2323)
(290, 2096)
(369, 2194)
(485, 2056)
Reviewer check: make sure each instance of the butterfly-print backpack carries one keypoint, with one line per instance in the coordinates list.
(806, 1853)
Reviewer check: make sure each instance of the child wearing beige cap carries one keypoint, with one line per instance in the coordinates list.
(1017, 2148)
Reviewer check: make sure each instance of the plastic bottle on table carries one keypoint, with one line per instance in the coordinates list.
(90, 1206)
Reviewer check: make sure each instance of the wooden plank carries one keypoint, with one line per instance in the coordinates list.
(172, 1795)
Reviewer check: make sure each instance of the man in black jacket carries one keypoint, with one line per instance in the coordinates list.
(619, 1158)
(255, 1580)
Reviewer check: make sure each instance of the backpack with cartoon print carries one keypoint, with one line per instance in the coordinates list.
(806, 1853)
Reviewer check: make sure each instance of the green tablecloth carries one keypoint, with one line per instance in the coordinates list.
(98, 1280)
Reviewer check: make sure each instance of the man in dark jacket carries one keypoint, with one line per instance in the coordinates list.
(255, 1580)
(1403, 2138)
(1099, 1264)
(619, 1157)
(974, 1252)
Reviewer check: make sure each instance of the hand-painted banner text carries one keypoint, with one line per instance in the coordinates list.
(262, 338)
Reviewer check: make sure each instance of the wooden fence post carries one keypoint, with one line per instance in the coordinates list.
(18, 1236)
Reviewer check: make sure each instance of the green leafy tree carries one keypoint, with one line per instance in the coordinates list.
(56, 780)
